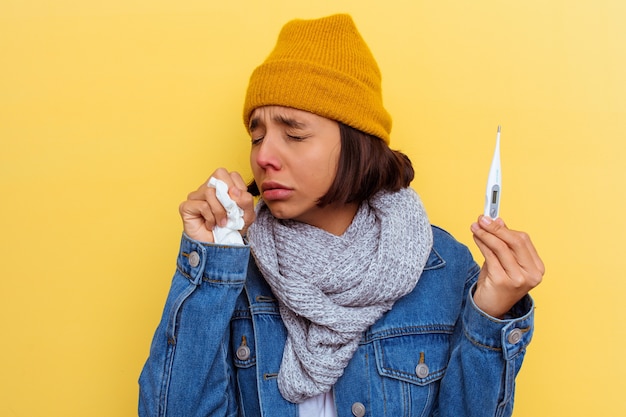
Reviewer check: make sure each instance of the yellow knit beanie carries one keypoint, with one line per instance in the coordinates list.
(322, 66)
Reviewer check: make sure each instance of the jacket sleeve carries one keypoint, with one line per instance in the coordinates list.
(486, 355)
(189, 370)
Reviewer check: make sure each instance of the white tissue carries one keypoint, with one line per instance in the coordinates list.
(229, 234)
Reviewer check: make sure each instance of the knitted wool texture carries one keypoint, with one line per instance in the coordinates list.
(322, 66)
(332, 288)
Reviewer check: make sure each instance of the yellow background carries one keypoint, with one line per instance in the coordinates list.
(112, 111)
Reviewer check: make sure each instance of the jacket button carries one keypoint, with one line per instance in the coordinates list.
(194, 259)
(243, 353)
(515, 336)
(421, 370)
(358, 409)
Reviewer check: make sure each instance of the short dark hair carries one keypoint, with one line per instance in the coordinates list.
(366, 166)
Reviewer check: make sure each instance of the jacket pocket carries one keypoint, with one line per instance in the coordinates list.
(416, 358)
(410, 367)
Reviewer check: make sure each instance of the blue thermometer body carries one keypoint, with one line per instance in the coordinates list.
(494, 183)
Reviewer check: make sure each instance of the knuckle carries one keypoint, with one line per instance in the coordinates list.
(236, 177)
(205, 209)
(513, 281)
(542, 268)
(217, 209)
(529, 281)
(248, 200)
(519, 284)
(220, 173)
(524, 237)
(520, 239)
(499, 246)
(536, 280)
(184, 206)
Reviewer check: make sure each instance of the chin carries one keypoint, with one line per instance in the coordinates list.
(278, 212)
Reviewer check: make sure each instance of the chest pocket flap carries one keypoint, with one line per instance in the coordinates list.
(416, 358)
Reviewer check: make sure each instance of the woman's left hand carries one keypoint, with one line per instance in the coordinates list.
(512, 266)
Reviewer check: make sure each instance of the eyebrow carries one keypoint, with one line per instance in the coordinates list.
(289, 122)
(281, 119)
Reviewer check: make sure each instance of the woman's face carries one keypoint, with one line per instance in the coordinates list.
(294, 159)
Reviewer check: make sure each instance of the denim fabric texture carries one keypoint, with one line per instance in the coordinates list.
(218, 348)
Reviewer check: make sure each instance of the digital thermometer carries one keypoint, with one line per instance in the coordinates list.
(494, 183)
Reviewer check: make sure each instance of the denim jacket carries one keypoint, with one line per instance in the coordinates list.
(218, 348)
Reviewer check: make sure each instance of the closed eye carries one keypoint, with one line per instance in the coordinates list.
(296, 138)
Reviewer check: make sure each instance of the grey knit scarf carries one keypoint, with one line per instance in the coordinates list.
(332, 288)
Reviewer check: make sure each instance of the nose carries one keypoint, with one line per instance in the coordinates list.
(266, 154)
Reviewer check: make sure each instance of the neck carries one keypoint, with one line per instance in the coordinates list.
(333, 218)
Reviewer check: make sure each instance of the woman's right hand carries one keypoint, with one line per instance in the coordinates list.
(202, 211)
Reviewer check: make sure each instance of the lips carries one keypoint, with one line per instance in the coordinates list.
(273, 191)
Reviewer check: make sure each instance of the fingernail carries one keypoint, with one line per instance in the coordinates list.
(485, 220)
(235, 191)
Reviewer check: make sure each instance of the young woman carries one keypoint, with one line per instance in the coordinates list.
(351, 304)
